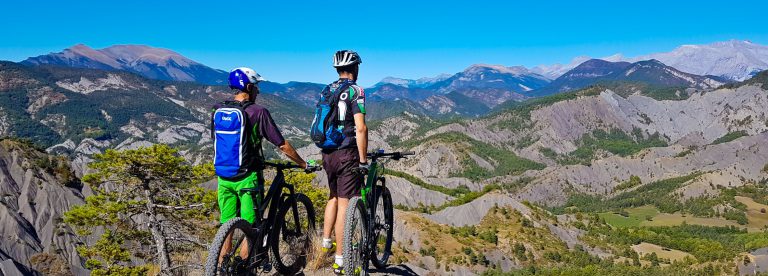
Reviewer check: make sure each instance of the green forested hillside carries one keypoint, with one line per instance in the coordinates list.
(38, 104)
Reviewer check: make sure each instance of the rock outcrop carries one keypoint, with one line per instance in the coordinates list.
(407, 194)
(34, 194)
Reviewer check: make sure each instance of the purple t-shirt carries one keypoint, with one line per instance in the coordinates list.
(260, 119)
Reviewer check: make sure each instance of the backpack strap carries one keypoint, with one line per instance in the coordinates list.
(256, 146)
(335, 99)
(213, 126)
(245, 104)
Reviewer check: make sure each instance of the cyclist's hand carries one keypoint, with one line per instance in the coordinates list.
(311, 166)
(362, 168)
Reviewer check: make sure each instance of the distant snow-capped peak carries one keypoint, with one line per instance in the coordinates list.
(418, 83)
(556, 70)
(734, 59)
(440, 77)
(396, 81)
(514, 70)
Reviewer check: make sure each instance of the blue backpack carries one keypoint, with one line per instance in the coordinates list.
(327, 131)
(233, 147)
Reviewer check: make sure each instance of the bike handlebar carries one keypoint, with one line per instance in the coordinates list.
(314, 168)
(393, 155)
(286, 166)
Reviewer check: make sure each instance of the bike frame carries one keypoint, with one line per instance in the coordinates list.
(375, 169)
(261, 226)
(368, 194)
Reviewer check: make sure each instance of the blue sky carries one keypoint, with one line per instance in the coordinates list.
(295, 40)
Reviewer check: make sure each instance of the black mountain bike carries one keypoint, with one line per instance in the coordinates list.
(285, 235)
(368, 224)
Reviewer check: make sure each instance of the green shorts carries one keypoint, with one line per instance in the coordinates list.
(228, 195)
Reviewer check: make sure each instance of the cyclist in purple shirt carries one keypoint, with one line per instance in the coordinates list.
(244, 81)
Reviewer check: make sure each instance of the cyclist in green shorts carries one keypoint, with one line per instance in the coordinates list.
(238, 127)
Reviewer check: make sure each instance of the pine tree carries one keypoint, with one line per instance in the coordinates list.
(108, 257)
(147, 199)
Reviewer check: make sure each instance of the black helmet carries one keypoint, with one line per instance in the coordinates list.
(346, 58)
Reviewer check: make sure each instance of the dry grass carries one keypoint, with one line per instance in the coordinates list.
(316, 258)
(195, 261)
(757, 219)
(675, 219)
(664, 253)
(154, 270)
(50, 264)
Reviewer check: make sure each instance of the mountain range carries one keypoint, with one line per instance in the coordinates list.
(471, 92)
(649, 72)
(482, 87)
(689, 66)
(490, 86)
(72, 109)
(154, 63)
(735, 60)
(418, 83)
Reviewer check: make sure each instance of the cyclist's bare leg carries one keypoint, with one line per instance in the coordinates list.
(228, 246)
(330, 218)
(225, 248)
(341, 211)
(244, 250)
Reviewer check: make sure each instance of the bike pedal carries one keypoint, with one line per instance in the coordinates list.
(267, 267)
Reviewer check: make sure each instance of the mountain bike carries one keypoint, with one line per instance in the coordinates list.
(368, 224)
(284, 235)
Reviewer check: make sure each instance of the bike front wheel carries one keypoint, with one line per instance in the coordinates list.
(292, 234)
(229, 253)
(382, 227)
(355, 229)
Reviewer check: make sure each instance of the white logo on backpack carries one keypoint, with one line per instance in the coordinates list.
(342, 110)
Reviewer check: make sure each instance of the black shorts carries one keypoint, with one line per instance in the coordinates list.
(338, 165)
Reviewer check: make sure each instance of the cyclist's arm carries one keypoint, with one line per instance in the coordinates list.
(361, 130)
(361, 136)
(289, 151)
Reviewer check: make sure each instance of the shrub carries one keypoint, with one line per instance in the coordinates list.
(632, 182)
(730, 137)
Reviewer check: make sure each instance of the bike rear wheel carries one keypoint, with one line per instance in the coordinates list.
(292, 234)
(382, 227)
(235, 261)
(354, 245)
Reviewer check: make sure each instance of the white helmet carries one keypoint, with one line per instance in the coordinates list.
(240, 77)
(346, 58)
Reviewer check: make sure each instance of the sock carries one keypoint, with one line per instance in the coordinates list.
(327, 243)
(340, 260)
